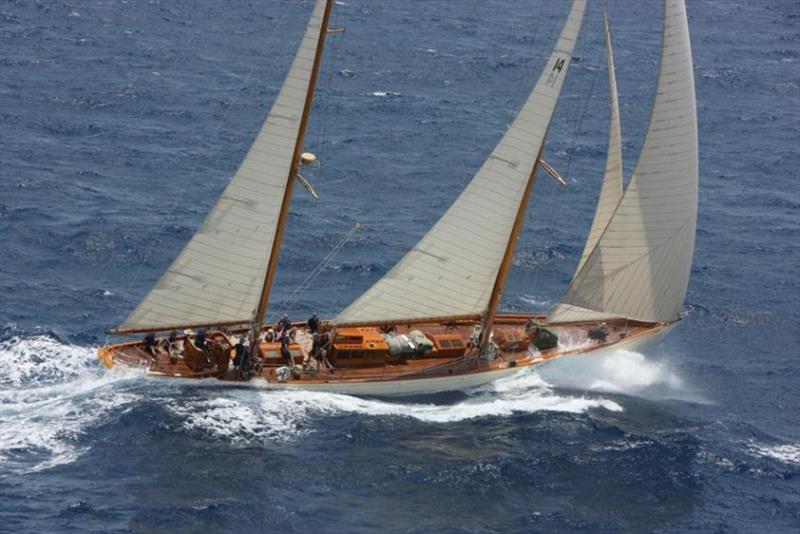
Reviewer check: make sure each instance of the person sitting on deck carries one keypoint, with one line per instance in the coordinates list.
(269, 336)
(313, 323)
(175, 347)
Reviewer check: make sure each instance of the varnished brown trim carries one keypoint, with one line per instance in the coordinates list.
(502, 272)
(168, 327)
(274, 254)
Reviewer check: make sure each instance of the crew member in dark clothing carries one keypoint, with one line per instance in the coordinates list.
(150, 344)
(318, 348)
(200, 340)
(239, 350)
(313, 323)
(285, 352)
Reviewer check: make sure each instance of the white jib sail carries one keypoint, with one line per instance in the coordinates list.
(610, 191)
(452, 269)
(217, 277)
(640, 267)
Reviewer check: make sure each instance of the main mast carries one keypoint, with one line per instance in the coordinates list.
(502, 272)
(274, 255)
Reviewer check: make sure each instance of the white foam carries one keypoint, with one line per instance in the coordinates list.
(537, 302)
(243, 417)
(620, 371)
(788, 453)
(248, 416)
(51, 394)
(54, 394)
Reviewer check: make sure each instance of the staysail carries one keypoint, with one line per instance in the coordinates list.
(639, 268)
(218, 276)
(611, 189)
(452, 269)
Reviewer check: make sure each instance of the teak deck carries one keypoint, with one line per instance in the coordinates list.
(449, 357)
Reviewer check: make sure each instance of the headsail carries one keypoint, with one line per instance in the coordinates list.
(452, 269)
(610, 191)
(218, 276)
(639, 268)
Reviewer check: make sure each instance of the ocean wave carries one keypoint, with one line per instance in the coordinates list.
(52, 394)
(788, 453)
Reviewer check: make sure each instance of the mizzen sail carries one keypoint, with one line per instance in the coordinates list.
(639, 268)
(452, 269)
(218, 276)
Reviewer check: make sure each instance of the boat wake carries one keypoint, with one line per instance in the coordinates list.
(247, 416)
(54, 395)
(50, 394)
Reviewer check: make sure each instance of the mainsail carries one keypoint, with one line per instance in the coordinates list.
(218, 276)
(452, 270)
(639, 268)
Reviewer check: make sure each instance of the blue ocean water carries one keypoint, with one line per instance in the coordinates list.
(120, 122)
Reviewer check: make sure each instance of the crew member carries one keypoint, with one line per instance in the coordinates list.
(313, 323)
(150, 344)
(285, 352)
(282, 327)
(241, 352)
(200, 340)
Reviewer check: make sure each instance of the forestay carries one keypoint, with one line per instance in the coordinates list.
(639, 268)
(610, 191)
(452, 269)
(218, 275)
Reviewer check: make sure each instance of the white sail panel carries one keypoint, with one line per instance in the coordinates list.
(640, 267)
(452, 269)
(610, 191)
(217, 277)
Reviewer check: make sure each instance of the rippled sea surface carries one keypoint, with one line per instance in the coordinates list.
(120, 122)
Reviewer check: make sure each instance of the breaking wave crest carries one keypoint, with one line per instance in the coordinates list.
(621, 371)
(787, 453)
(50, 394)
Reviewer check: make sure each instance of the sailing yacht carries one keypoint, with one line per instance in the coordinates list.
(432, 322)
